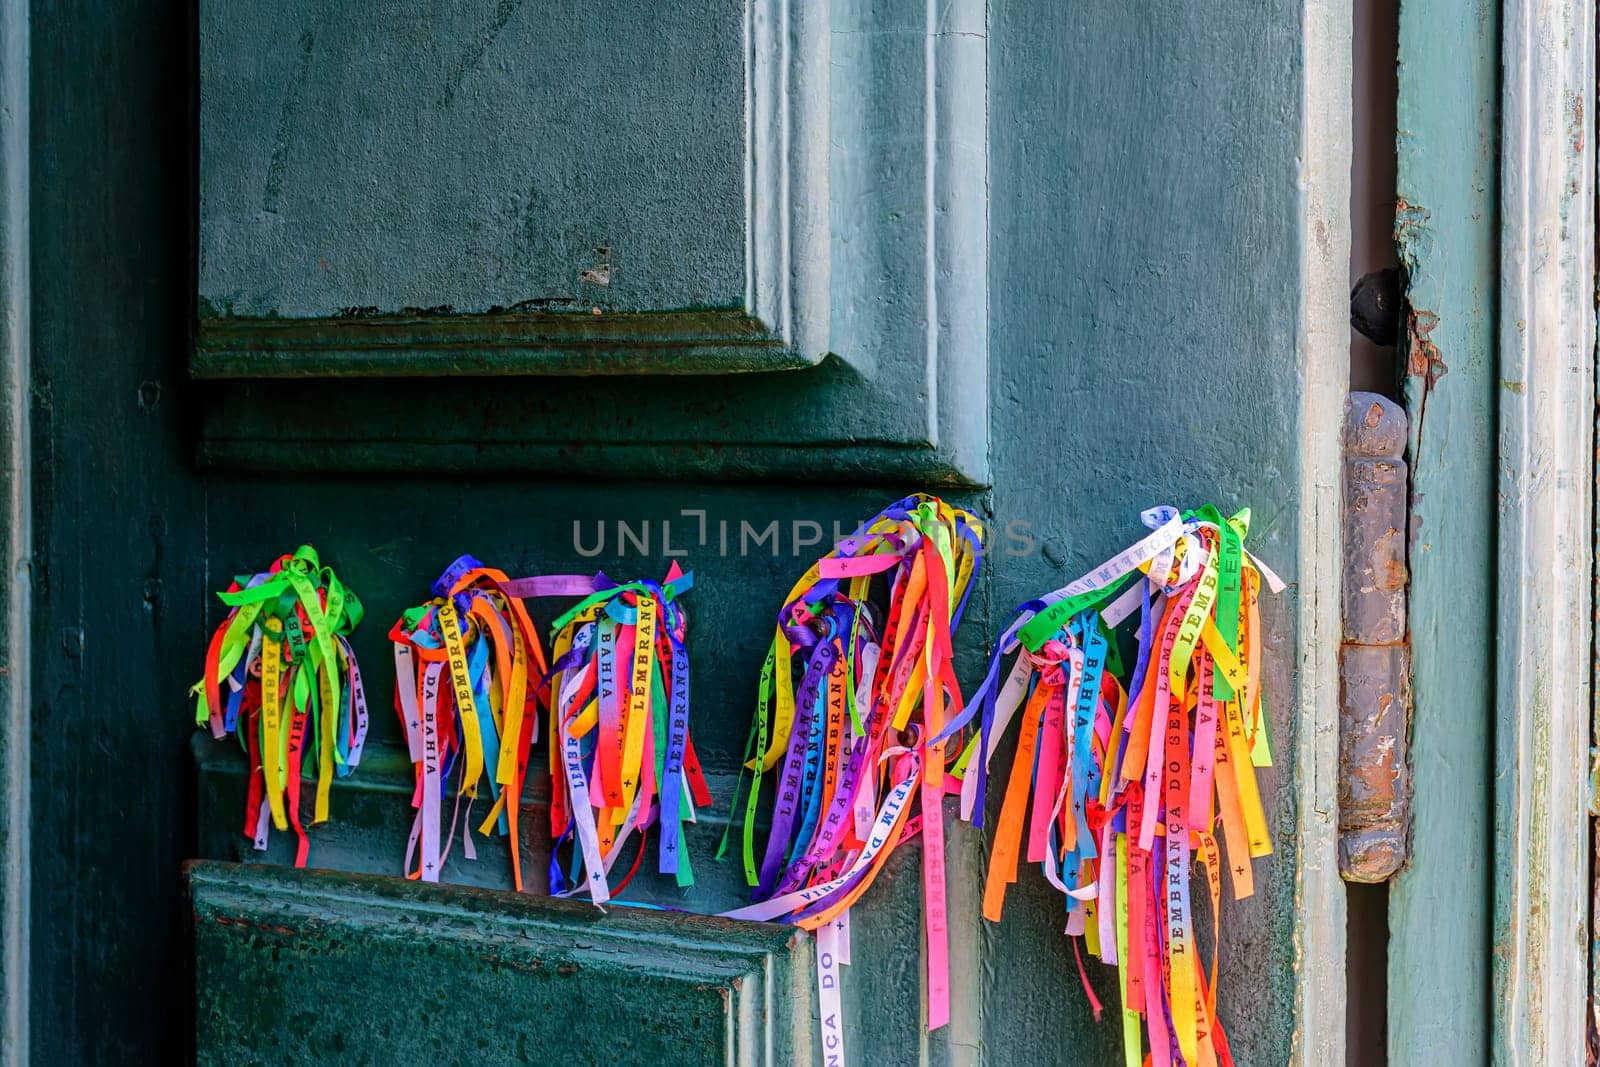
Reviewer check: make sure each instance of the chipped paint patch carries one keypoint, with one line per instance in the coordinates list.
(1422, 358)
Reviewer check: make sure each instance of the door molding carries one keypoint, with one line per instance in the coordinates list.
(16, 534)
(1547, 470)
(893, 346)
(1324, 355)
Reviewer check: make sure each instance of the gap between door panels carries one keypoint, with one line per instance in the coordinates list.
(1374, 367)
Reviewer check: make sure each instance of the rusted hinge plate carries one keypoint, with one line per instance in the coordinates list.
(1374, 655)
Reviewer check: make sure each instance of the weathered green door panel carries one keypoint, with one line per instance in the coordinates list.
(16, 536)
(119, 545)
(523, 165)
(1169, 292)
(1147, 238)
(828, 424)
(284, 960)
(367, 834)
(808, 189)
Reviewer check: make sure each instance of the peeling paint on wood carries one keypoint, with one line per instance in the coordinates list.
(1439, 998)
(1544, 660)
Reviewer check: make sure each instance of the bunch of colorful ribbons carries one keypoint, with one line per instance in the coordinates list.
(1122, 776)
(1137, 749)
(282, 664)
(847, 753)
(621, 758)
(469, 676)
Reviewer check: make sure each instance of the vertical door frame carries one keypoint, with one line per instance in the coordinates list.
(1547, 471)
(16, 534)
(1324, 355)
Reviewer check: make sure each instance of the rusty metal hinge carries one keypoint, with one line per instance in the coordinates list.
(1375, 653)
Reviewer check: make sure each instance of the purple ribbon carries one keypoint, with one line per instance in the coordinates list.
(783, 812)
(677, 741)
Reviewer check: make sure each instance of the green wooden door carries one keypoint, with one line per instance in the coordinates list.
(498, 278)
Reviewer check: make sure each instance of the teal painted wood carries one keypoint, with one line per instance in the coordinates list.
(806, 426)
(489, 345)
(902, 397)
(16, 535)
(118, 529)
(371, 819)
(481, 976)
(1545, 649)
(663, 163)
(1445, 227)
(1169, 307)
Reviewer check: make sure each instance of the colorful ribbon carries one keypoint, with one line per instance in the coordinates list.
(282, 663)
(621, 757)
(468, 684)
(1123, 774)
(847, 747)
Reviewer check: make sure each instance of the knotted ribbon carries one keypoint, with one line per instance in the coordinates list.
(1124, 771)
(469, 676)
(847, 746)
(621, 756)
(281, 663)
